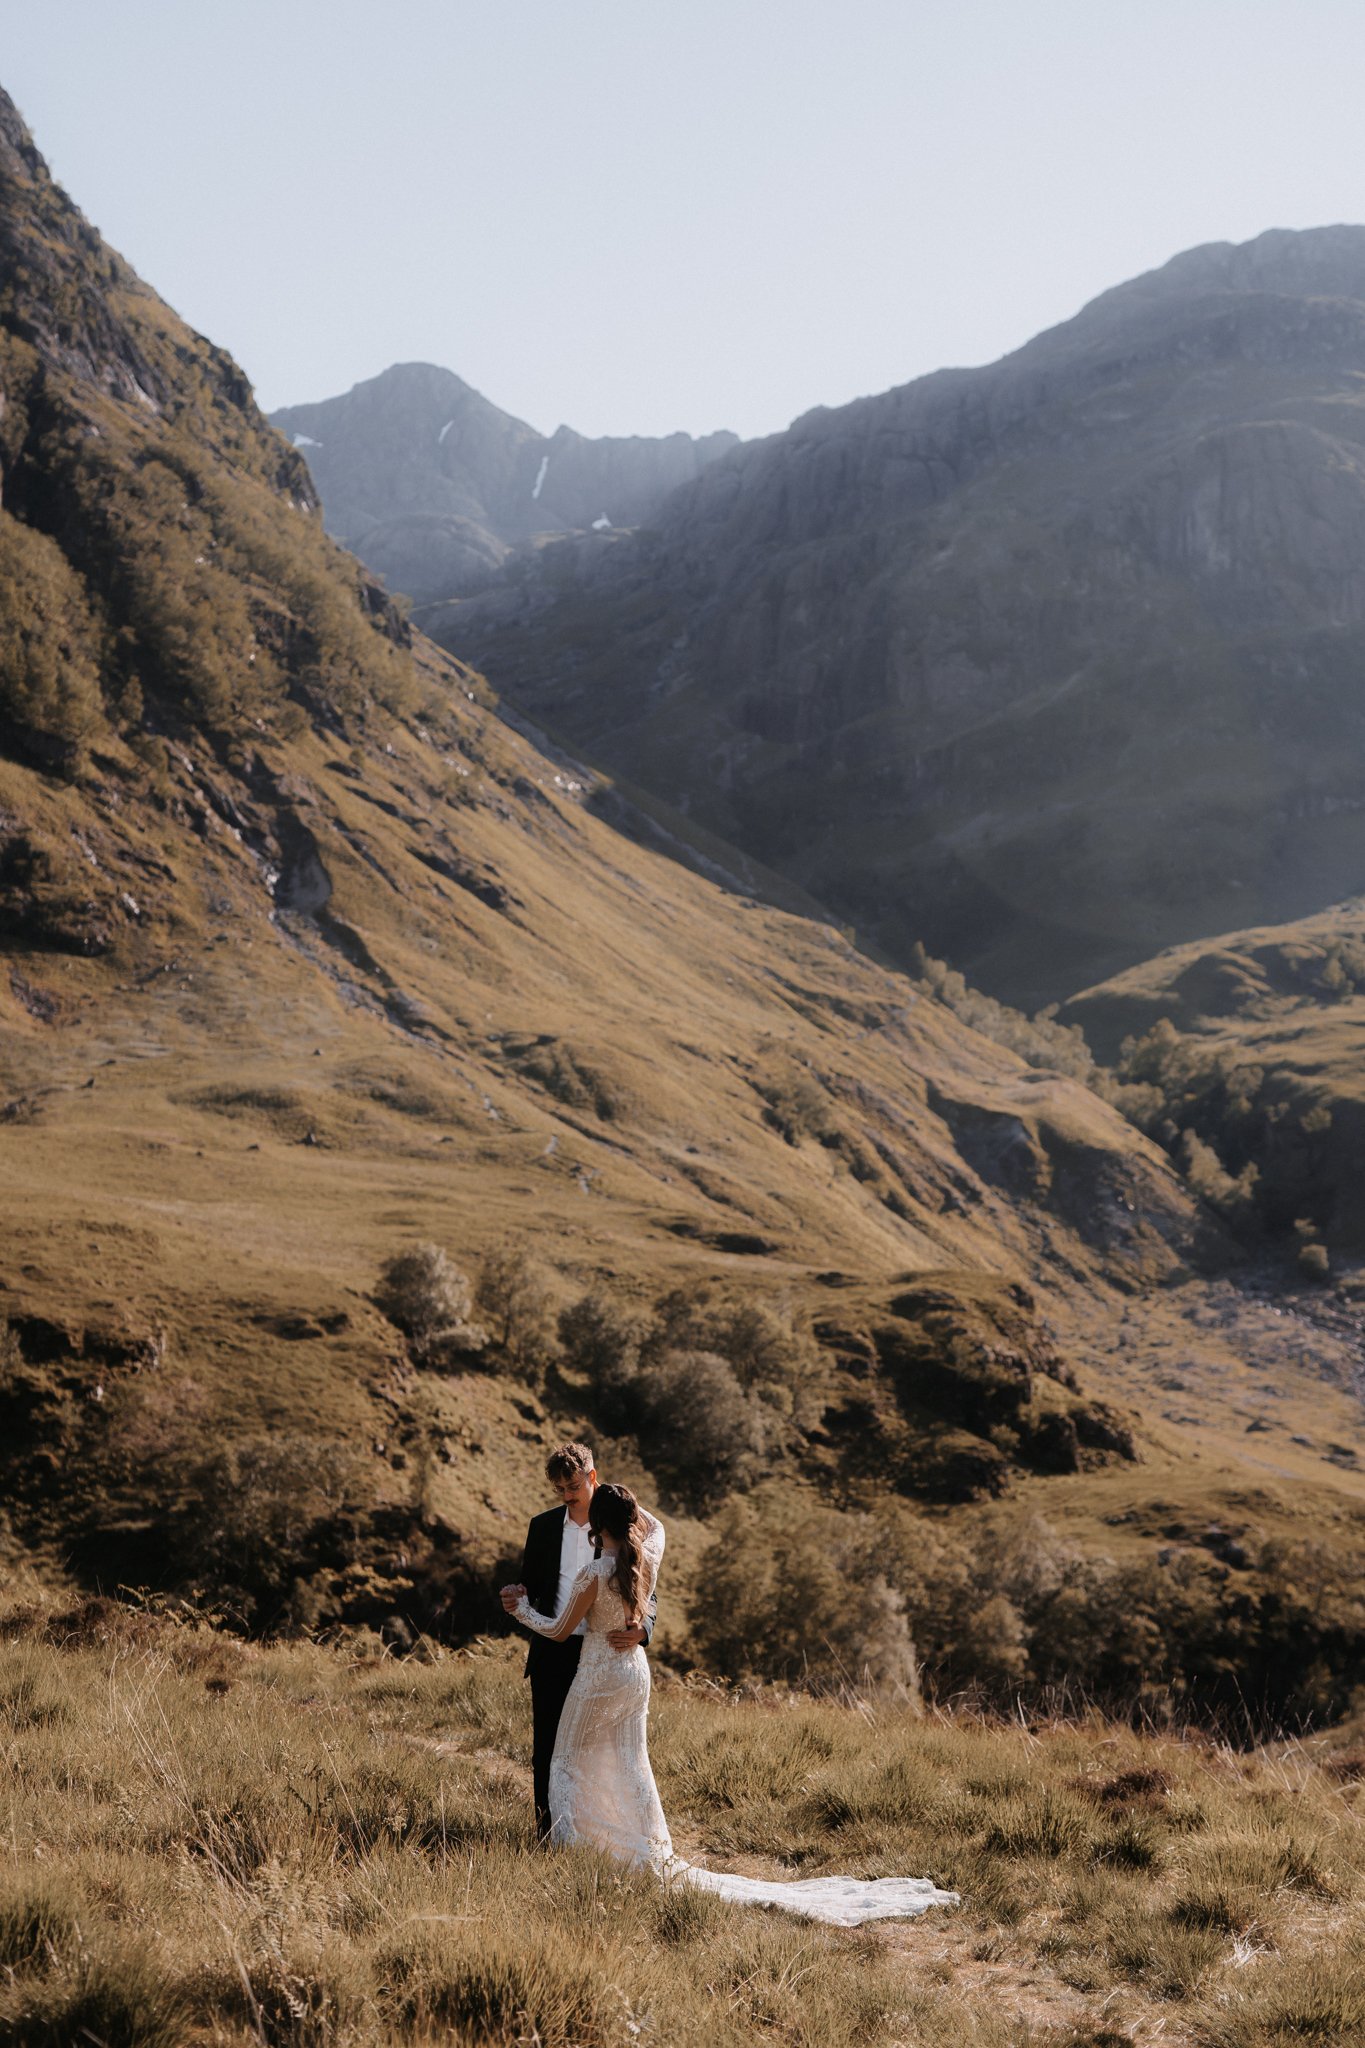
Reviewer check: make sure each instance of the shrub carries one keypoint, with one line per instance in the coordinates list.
(428, 1298)
(794, 1591)
(1233, 1196)
(602, 1342)
(49, 677)
(1247, 1139)
(1039, 1040)
(770, 1357)
(796, 1105)
(999, 1602)
(263, 1513)
(697, 1427)
(514, 1294)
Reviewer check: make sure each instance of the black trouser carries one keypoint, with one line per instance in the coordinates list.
(551, 1671)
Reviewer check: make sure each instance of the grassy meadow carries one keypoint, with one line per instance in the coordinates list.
(209, 1841)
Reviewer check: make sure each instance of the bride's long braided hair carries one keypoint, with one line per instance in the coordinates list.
(615, 1512)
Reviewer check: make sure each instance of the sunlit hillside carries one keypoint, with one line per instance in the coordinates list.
(312, 962)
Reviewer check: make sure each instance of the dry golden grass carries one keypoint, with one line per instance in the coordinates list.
(211, 1843)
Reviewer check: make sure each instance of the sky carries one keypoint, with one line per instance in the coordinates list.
(633, 217)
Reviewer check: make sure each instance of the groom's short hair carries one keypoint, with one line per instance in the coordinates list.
(568, 1459)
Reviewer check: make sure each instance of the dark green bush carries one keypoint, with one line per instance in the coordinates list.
(793, 1591)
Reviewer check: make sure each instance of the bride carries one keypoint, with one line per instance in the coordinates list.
(602, 1790)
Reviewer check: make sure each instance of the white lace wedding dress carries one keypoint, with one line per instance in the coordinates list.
(602, 1790)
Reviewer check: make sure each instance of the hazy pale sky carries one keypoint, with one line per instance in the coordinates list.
(633, 216)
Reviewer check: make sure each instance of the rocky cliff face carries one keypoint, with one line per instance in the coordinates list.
(1047, 664)
(432, 486)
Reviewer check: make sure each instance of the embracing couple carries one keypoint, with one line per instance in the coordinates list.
(588, 1577)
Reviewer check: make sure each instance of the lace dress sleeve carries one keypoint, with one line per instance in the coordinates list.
(558, 1626)
(651, 1557)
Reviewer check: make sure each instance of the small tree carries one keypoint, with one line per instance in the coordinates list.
(602, 1342)
(514, 1294)
(790, 1589)
(428, 1299)
(768, 1354)
(696, 1426)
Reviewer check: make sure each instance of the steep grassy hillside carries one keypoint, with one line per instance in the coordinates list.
(1047, 665)
(311, 962)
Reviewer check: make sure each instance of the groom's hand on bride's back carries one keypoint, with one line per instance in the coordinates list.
(626, 1638)
(510, 1596)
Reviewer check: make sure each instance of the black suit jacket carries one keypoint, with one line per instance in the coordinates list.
(540, 1576)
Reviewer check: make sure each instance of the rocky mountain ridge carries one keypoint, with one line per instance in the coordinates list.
(434, 487)
(1047, 664)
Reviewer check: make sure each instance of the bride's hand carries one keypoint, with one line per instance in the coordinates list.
(510, 1597)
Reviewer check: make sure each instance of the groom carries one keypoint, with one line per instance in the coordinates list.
(558, 1547)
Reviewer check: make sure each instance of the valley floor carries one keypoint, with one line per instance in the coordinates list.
(210, 1842)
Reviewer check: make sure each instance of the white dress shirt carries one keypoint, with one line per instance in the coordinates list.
(575, 1555)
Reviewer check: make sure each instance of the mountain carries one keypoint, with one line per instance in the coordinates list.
(1048, 665)
(311, 962)
(433, 487)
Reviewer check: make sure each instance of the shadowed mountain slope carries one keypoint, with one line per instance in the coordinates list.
(433, 486)
(1047, 664)
(309, 960)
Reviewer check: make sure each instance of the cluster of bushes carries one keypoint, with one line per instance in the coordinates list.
(713, 1389)
(131, 1476)
(1039, 1040)
(508, 1310)
(1241, 1137)
(999, 1605)
(1245, 1141)
(49, 646)
(791, 1590)
(288, 1531)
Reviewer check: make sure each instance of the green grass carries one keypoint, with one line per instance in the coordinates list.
(223, 1844)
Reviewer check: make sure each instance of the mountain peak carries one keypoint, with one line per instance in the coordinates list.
(1300, 263)
(15, 140)
(1325, 261)
(433, 485)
